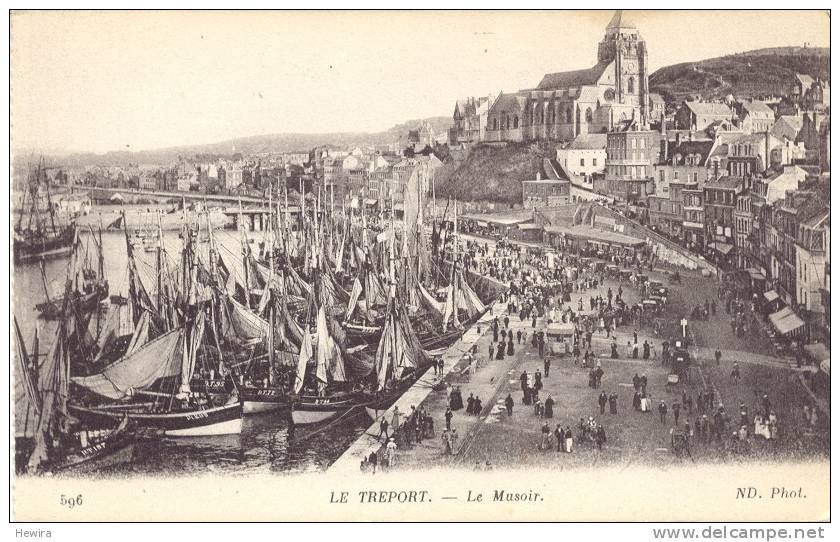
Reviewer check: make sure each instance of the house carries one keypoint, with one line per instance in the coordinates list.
(787, 127)
(755, 116)
(657, 106)
(751, 154)
(773, 188)
(545, 193)
(585, 156)
(811, 93)
(719, 203)
(699, 115)
(682, 161)
(631, 154)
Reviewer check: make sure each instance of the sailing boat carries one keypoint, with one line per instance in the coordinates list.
(60, 442)
(91, 287)
(161, 370)
(400, 361)
(45, 238)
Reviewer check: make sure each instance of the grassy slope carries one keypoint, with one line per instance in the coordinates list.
(489, 174)
(754, 73)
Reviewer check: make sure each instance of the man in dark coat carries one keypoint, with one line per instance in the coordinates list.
(509, 405)
(448, 417)
(663, 411)
(675, 408)
(613, 403)
(547, 366)
(602, 401)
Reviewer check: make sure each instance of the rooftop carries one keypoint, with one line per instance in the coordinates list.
(572, 79)
(589, 142)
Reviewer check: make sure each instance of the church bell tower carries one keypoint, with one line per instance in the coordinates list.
(623, 44)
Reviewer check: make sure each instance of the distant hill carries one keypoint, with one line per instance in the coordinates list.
(489, 174)
(247, 145)
(751, 74)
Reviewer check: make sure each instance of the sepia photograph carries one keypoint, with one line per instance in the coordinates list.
(420, 266)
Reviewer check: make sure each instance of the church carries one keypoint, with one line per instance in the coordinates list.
(595, 100)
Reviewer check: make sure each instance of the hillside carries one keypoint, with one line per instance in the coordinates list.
(492, 174)
(750, 74)
(247, 145)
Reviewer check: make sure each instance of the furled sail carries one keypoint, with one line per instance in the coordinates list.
(330, 361)
(156, 359)
(399, 350)
(306, 354)
(190, 351)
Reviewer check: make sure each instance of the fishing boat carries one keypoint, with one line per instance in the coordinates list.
(141, 385)
(90, 286)
(59, 441)
(42, 236)
(151, 382)
(400, 362)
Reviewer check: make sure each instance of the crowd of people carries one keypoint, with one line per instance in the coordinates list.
(565, 289)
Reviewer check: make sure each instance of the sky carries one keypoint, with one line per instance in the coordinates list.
(101, 81)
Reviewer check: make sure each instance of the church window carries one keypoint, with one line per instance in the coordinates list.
(507, 122)
(631, 85)
(495, 124)
(516, 121)
(633, 143)
(588, 114)
(568, 115)
(641, 143)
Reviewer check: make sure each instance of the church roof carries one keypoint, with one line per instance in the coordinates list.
(509, 102)
(620, 20)
(577, 78)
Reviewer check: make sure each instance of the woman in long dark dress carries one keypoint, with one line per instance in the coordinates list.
(500, 351)
(549, 407)
(510, 347)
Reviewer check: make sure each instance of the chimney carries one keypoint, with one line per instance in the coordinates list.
(767, 150)
(663, 149)
(662, 124)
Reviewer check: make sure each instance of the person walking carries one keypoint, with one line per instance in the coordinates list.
(383, 429)
(613, 403)
(663, 411)
(600, 437)
(509, 405)
(547, 366)
(560, 436)
(675, 408)
(602, 401)
(448, 417)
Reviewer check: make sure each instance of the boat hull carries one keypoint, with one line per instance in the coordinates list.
(223, 420)
(312, 410)
(30, 249)
(259, 400)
